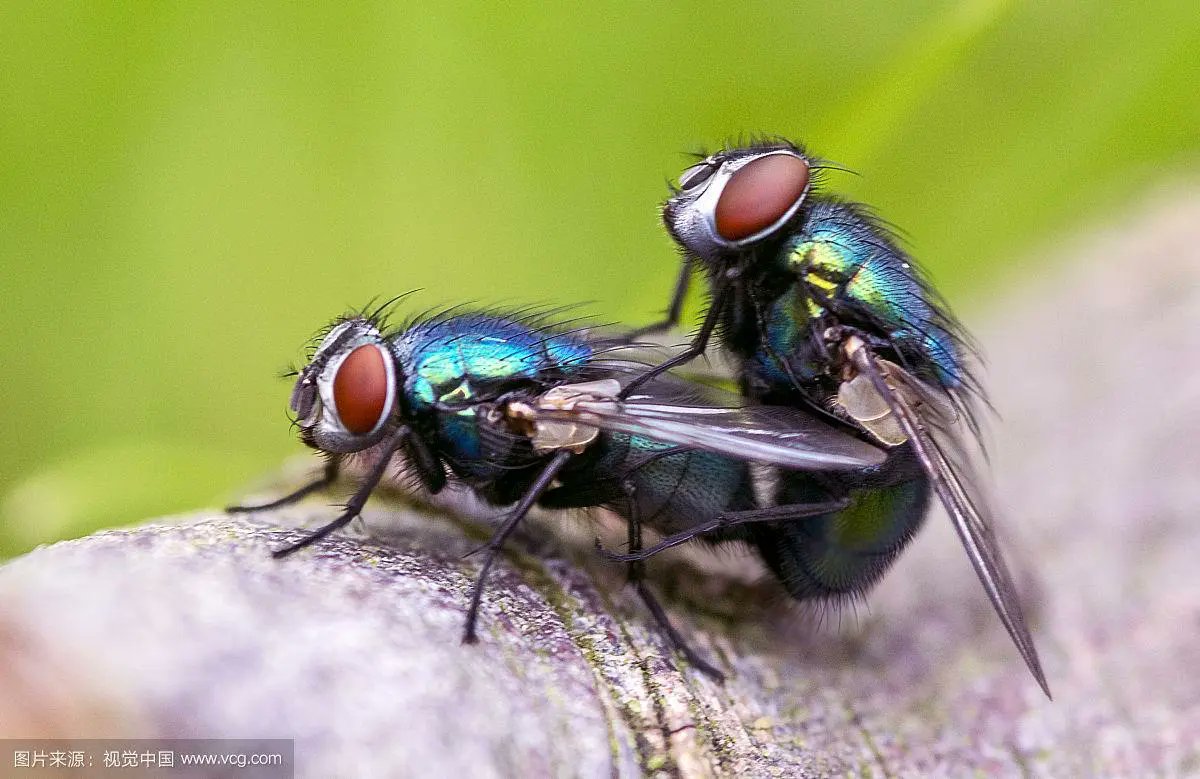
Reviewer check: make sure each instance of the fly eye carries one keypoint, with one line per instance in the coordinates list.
(360, 389)
(759, 194)
(695, 176)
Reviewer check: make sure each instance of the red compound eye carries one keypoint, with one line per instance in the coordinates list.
(360, 389)
(759, 194)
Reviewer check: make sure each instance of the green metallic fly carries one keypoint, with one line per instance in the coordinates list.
(522, 412)
(822, 310)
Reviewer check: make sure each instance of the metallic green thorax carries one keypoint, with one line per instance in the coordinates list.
(448, 358)
(457, 361)
(847, 266)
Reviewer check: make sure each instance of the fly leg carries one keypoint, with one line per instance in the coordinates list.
(354, 506)
(694, 350)
(637, 574)
(730, 519)
(327, 477)
(493, 546)
(674, 308)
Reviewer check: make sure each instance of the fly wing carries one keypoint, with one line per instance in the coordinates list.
(714, 366)
(784, 437)
(938, 442)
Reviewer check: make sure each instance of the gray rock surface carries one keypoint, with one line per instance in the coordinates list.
(187, 627)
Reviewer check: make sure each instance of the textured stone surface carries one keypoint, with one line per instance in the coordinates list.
(187, 627)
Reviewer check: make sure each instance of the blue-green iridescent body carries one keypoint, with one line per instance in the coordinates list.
(838, 266)
(471, 359)
(459, 360)
(447, 357)
(842, 553)
(851, 271)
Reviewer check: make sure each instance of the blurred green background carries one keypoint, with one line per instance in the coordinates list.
(188, 191)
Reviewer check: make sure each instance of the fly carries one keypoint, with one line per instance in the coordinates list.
(525, 414)
(822, 310)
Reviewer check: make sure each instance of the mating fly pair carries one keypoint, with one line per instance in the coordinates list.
(856, 403)
(523, 413)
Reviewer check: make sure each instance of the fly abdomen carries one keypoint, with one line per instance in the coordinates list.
(851, 267)
(843, 553)
(672, 489)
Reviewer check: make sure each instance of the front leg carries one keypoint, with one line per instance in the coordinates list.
(694, 350)
(674, 308)
(328, 477)
(355, 505)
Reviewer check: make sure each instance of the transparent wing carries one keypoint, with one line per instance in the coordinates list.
(677, 412)
(937, 439)
(714, 366)
(689, 388)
